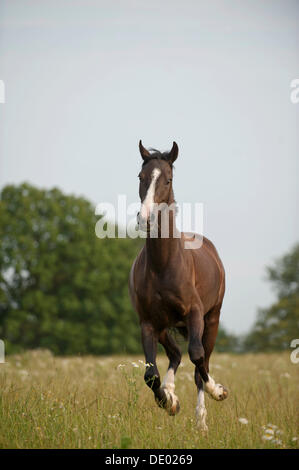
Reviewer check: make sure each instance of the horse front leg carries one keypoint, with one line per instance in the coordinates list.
(174, 355)
(149, 338)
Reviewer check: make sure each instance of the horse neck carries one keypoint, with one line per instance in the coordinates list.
(160, 251)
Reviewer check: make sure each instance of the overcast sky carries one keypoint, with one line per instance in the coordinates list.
(85, 80)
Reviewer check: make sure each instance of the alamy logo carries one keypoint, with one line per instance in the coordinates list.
(295, 354)
(162, 222)
(294, 96)
(2, 92)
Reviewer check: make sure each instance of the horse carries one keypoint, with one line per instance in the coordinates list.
(174, 288)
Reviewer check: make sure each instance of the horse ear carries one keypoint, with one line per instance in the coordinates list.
(173, 154)
(143, 152)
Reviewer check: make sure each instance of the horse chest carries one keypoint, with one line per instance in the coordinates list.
(164, 300)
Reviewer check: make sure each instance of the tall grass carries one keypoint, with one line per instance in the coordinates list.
(102, 402)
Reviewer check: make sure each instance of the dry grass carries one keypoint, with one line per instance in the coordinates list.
(90, 402)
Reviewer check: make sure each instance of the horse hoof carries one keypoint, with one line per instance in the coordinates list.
(174, 407)
(202, 427)
(172, 403)
(223, 393)
(160, 403)
(169, 401)
(218, 392)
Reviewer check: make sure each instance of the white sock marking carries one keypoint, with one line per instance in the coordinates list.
(168, 381)
(168, 387)
(215, 390)
(201, 412)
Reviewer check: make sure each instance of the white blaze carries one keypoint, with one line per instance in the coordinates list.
(148, 203)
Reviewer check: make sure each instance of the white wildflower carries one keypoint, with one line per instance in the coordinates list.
(268, 434)
(243, 420)
(272, 426)
(267, 437)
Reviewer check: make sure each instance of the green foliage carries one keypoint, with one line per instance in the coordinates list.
(227, 342)
(64, 289)
(61, 287)
(278, 325)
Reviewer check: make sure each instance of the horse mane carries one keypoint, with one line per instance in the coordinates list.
(157, 155)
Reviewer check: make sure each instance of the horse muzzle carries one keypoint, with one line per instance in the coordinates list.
(145, 224)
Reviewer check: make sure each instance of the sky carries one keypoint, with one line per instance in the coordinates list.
(85, 80)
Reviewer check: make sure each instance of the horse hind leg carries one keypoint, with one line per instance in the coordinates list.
(200, 411)
(197, 356)
(172, 404)
(197, 353)
(211, 322)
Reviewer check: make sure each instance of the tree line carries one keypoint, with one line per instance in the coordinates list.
(64, 289)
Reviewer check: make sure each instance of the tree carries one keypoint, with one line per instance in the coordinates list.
(278, 325)
(227, 342)
(61, 287)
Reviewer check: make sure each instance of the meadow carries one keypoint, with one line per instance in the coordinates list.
(102, 402)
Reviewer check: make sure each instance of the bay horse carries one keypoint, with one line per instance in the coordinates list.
(171, 286)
